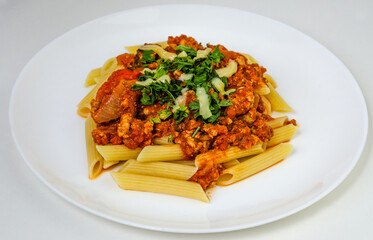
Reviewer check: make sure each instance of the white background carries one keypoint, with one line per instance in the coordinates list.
(29, 210)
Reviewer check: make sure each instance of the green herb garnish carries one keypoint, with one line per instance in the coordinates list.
(147, 56)
(155, 120)
(195, 132)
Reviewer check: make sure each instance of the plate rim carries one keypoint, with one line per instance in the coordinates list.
(313, 200)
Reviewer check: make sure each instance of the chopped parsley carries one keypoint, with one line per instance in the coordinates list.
(164, 114)
(195, 132)
(181, 113)
(161, 90)
(155, 120)
(194, 105)
(147, 56)
(188, 49)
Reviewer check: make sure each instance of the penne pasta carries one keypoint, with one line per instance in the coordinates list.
(145, 183)
(109, 164)
(277, 102)
(84, 106)
(93, 77)
(262, 90)
(161, 169)
(113, 153)
(267, 105)
(108, 68)
(228, 155)
(270, 80)
(161, 153)
(249, 58)
(254, 164)
(95, 160)
(278, 122)
(230, 163)
(282, 134)
(162, 140)
(159, 50)
(133, 49)
(125, 164)
(184, 162)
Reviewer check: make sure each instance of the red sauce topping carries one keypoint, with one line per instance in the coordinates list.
(122, 119)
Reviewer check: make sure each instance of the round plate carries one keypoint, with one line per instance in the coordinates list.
(328, 103)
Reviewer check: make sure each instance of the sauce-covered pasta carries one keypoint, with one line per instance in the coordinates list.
(205, 99)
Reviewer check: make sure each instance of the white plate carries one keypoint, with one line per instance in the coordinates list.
(328, 104)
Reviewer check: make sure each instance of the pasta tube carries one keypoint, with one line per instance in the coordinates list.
(95, 160)
(282, 134)
(278, 103)
(129, 181)
(113, 153)
(133, 49)
(159, 50)
(161, 169)
(270, 80)
(255, 164)
(93, 77)
(184, 162)
(230, 163)
(109, 164)
(160, 153)
(263, 90)
(84, 106)
(125, 164)
(162, 140)
(249, 58)
(278, 122)
(267, 105)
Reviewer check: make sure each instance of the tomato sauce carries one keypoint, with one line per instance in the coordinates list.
(122, 119)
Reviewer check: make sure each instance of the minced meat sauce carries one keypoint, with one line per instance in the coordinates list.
(123, 119)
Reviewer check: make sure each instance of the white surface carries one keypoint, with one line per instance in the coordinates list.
(30, 210)
(321, 159)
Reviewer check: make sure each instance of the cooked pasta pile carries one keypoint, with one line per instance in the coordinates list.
(183, 117)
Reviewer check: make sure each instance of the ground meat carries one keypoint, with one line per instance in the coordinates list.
(243, 101)
(165, 128)
(145, 112)
(190, 97)
(106, 134)
(207, 176)
(173, 42)
(261, 129)
(214, 130)
(139, 134)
